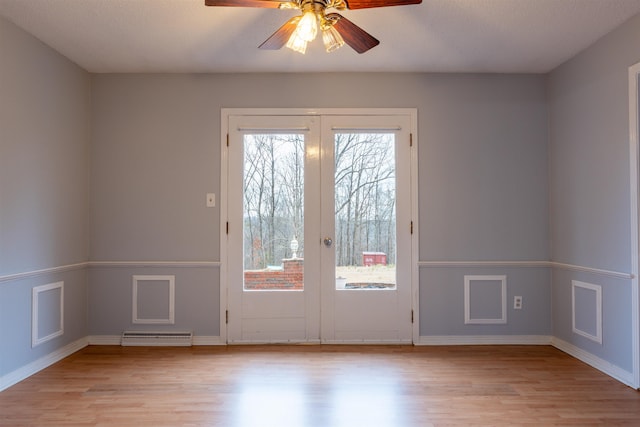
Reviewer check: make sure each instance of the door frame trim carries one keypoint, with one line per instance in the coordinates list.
(634, 130)
(225, 113)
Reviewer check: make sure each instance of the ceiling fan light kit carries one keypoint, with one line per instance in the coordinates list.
(297, 32)
(332, 39)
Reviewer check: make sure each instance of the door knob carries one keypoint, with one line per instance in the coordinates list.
(328, 241)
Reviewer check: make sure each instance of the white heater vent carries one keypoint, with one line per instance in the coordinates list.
(133, 338)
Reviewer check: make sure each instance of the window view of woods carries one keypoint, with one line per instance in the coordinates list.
(273, 199)
(365, 210)
(365, 196)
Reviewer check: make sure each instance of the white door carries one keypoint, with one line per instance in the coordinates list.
(367, 229)
(319, 243)
(273, 289)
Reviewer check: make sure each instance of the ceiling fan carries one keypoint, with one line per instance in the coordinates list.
(300, 30)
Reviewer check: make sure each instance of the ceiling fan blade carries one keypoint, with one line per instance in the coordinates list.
(281, 36)
(354, 36)
(365, 4)
(246, 3)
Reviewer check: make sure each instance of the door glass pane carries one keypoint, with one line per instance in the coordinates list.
(273, 237)
(365, 209)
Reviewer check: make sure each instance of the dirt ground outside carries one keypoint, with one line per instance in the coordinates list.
(383, 274)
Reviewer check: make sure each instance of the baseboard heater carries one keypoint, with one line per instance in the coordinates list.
(149, 338)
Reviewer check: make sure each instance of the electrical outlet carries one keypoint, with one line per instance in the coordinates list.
(517, 302)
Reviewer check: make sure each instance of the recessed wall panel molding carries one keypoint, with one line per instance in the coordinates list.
(153, 299)
(485, 299)
(586, 308)
(47, 312)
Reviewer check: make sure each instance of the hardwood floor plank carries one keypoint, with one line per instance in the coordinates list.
(280, 386)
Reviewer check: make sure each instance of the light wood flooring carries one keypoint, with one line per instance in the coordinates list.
(323, 386)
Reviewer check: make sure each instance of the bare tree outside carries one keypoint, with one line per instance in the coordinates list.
(273, 198)
(365, 199)
(365, 195)
(365, 209)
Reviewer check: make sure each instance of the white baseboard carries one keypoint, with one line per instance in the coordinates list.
(116, 340)
(366, 342)
(36, 366)
(105, 339)
(602, 365)
(207, 340)
(483, 340)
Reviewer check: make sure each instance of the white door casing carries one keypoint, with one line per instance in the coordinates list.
(320, 313)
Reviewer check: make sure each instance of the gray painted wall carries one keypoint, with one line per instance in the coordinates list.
(483, 158)
(15, 318)
(482, 170)
(197, 300)
(589, 153)
(589, 186)
(483, 167)
(44, 123)
(442, 302)
(44, 117)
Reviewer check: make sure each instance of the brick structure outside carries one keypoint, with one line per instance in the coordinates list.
(290, 277)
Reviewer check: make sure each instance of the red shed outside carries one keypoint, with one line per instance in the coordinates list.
(374, 258)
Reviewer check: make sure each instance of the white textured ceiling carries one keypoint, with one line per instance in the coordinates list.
(437, 35)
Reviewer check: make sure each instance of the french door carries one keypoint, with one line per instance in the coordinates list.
(319, 241)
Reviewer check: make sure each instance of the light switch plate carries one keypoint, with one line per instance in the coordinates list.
(211, 200)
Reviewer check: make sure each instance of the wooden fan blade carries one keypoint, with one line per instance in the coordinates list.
(365, 4)
(354, 36)
(245, 3)
(281, 36)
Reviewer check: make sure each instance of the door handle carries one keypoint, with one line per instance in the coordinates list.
(328, 241)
